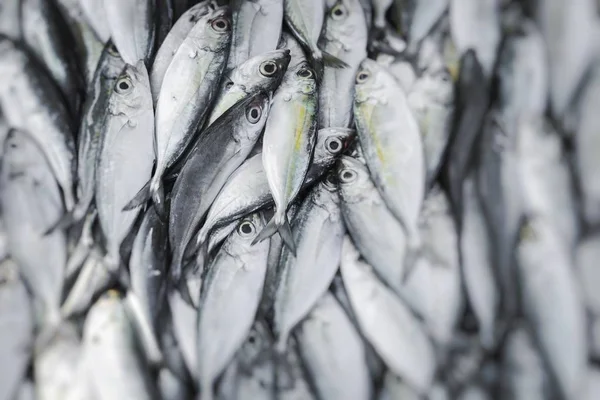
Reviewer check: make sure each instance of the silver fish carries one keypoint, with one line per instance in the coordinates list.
(46, 32)
(293, 383)
(344, 36)
(305, 19)
(426, 14)
(232, 294)
(185, 324)
(256, 29)
(120, 173)
(402, 343)
(10, 23)
(16, 328)
(31, 202)
(263, 72)
(174, 39)
(219, 152)
(286, 156)
(189, 89)
(95, 14)
(304, 277)
(31, 102)
(288, 41)
(131, 28)
(395, 157)
(545, 268)
(333, 352)
(115, 367)
(380, 238)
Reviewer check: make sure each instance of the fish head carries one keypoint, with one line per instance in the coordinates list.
(330, 182)
(112, 58)
(241, 238)
(331, 143)
(436, 86)
(302, 79)
(131, 92)
(353, 176)
(264, 71)
(213, 30)
(373, 83)
(345, 19)
(249, 126)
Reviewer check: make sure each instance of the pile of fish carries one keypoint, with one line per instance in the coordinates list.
(299, 199)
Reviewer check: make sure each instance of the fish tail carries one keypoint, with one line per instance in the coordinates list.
(284, 229)
(139, 199)
(195, 246)
(332, 61)
(316, 61)
(158, 198)
(143, 326)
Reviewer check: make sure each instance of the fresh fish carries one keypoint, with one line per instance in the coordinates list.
(292, 383)
(16, 328)
(131, 27)
(31, 102)
(426, 14)
(95, 114)
(395, 157)
(476, 262)
(46, 33)
(523, 373)
(10, 21)
(401, 68)
(95, 14)
(31, 203)
(333, 352)
(219, 152)
(395, 388)
(256, 29)
(475, 24)
(545, 269)
(395, 333)
(83, 248)
(168, 48)
(148, 265)
(305, 276)
(120, 173)
(345, 37)
(230, 300)
(247, 189)
(185, 324)
(288, 144)
(171, 387)
(305, 20)
(115, 367)
(189, 89)
(288, 41)
(380, 8)
(379, 237)
(263, 72)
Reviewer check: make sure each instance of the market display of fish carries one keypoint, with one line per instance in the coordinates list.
(299, 199)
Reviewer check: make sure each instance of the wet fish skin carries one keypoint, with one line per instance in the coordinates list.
(220, 151)
(395, 157)
(333, 352)
(232, 292)
(131, 28)
(380, 238)
(30, 101)
(31, 203)
(181, 108)
(184, 320)
(174, 39)
(256, 29)
(95, 14)
(46, 33)
(345, 37)
(121, 173)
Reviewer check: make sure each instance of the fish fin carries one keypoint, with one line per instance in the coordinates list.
(268, 231)
(285, 231)
(332, 61)
(193, 248)
(144, 329)
(139, 199)
(184, 292)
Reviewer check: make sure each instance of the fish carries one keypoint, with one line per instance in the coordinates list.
(30, 101)
(256, 29)
(177, 34)
(218, 153)
(119, 172)
(46, 33)
(263, 72)
(403, 344)
(95, 114)
(305, 20)
(247, 189)
(16, 328)
(10, 23)
(545, 268)
(395, 388)
(333, 352)
(232, 293)
(380, 238)
(184, 321)
(190, 79)
(95, 14)
(395, 157)
(286, 157)
(288, 41)
(292, 382)
(131, 28)
(305, 275)
(425, 15)
(31, 202)
(345, 37)
(114, 365)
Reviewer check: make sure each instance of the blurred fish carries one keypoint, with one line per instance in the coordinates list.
(95, 14)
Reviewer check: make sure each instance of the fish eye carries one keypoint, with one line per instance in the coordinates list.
(268, 68)
(331, 181)
(338, 11)
(123, 85)
(362, 76)
(333, 145)
(220, 24)
(253, 114)
(246, 229)
(112, 49)
(229, 85)
(348, 175)
(305, 72)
